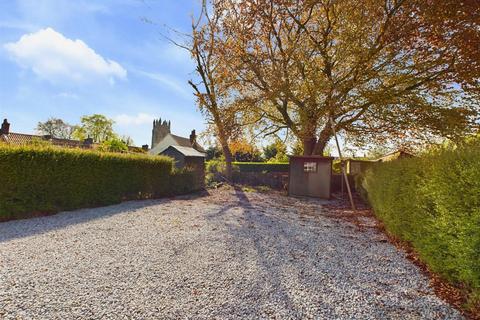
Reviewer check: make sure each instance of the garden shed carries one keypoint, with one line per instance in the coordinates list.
(185, 157)
(357, 166)
(310, 176)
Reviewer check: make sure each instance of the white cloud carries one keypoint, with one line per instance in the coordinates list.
(139, 119)
(67, 95)
(167, 81)
(53, 57)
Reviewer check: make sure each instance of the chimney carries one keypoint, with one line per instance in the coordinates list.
(193, 137)
(5, 127)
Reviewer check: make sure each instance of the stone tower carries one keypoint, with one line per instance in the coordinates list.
(160, 130)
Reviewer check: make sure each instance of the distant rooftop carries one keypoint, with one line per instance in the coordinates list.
(188, 151)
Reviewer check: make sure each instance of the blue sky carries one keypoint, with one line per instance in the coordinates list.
(65, 59)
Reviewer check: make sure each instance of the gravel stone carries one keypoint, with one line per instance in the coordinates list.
(227, 255)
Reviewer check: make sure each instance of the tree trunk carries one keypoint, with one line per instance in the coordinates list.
(227, 153)
(323, 139)
(312, 146)
(320, 146)
(228, 162)
(309, 146)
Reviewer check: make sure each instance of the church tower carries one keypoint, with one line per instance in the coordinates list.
(160, 131)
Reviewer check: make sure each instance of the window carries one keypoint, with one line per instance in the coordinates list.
(309, 167)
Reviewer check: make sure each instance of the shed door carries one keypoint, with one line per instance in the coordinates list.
(310, 178)
(319, 181)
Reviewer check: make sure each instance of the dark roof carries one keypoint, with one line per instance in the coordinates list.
(185, 142)
(187, 151)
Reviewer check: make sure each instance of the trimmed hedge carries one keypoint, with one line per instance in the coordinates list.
(262, 167)
(433, 202)
(47, 180)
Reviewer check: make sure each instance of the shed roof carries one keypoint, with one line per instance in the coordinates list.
(313, 157)
(188, 151)
(360, 160)
(174, 140)
(395, 155)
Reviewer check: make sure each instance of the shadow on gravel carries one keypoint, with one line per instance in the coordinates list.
(301, 252)
(271, 256)
(28, 227)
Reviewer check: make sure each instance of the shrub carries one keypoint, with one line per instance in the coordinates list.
(433, 202)
(39, 143)
(216, 171)
(262, 167)
(183, 181)
(251, 173)
(113, 144)
(48, 180)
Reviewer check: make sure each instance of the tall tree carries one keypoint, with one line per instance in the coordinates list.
(302, 63)
(96, 126)
(214, 89)
(56, 128)
(455, 26)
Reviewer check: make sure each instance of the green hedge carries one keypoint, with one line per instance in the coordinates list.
(47, 180)
(433, 202)
(262, 167)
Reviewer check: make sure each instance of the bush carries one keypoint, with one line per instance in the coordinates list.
(433, 202)
(216, 171)
(262, 167)
(48, 180)
(248, 173)
(113, 144)
(218, 166)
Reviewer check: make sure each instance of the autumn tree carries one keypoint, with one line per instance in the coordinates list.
(370, 66)
(453, 25)
(214, 89)
(244, 151)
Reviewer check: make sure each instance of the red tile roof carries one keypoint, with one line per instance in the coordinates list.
(23, 139)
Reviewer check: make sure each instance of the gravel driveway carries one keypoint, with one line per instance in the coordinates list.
(231, 254)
